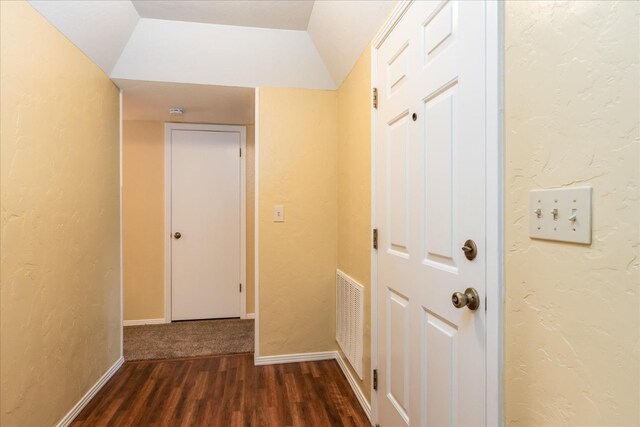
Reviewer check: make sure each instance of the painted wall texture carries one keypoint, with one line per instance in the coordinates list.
(298, 257)
(572, 314)
(60, 221)
(354, 191)
(143, 219)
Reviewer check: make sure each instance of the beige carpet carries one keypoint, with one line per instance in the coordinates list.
(188, 339)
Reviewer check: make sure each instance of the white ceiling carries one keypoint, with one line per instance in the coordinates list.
(342, 29)
(285, 15)
(190, 52)
(127, 41)
(201, 104)
(99, 28)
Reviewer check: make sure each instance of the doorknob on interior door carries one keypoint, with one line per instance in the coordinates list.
(177, 235)
(470, 299)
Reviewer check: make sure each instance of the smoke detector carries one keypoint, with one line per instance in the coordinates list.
(176, 111)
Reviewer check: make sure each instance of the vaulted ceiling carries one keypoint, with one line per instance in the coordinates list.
(230, 43)
(283, 15)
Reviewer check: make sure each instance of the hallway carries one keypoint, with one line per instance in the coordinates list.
(400, 212)
(225, 391)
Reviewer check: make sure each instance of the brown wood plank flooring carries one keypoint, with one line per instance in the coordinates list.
(224, 391)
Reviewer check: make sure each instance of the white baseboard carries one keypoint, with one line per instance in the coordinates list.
(291, 358)
(73, 413)
(143, 322)
(251, 315)
(322, 355)
(366, 406)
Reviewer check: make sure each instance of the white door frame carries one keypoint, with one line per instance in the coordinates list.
(494, 215)
(242, 130)
(256, 227)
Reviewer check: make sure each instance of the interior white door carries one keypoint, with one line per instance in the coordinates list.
(430, 185)
(205, 211)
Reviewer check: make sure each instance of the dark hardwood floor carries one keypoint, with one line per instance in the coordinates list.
(224, 391)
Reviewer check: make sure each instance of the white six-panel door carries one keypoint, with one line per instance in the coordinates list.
(206, 212)
(430, 192)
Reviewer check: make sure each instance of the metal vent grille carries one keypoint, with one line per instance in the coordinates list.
(349, 319)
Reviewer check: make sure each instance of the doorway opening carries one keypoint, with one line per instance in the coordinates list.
(188, 216)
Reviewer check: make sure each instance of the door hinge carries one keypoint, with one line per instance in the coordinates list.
(240, 287)
(375, 238)
(240, 151)
(375, 98)
(375, 379)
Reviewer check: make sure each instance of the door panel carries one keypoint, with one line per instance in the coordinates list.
(398, 68)
(205, 209)
(441, 374)
(438, 120)
(438, 29)
(398, 362)
(398, 181)
(430, 187)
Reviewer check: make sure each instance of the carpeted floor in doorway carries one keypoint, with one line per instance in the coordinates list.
(188, 339)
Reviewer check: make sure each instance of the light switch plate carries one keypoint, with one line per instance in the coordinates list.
(572, 219)
(278, 213)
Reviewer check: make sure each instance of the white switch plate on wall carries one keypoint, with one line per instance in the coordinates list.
(562, 214)
(278, 213)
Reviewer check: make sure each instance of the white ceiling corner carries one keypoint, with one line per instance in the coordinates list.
(341, 30)
(99, 28)
(278, 14)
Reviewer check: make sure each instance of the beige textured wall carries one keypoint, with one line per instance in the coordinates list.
(572, 311)
(354, 191)
(298, 169)
(60, 222)
(143, 219)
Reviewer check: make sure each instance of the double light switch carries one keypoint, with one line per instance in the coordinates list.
(562, 214)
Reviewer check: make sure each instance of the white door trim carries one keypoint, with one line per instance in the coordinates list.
(495, 210)
(121, 230)
(256, 228)
(242, 130)
(494, 192)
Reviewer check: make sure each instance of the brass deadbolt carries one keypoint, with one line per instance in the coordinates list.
(470, 249)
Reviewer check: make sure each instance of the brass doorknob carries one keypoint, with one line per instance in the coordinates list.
(177, 235)
(470, 299)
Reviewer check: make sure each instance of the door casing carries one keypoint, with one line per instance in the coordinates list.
(494, 162)
(242, 130)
